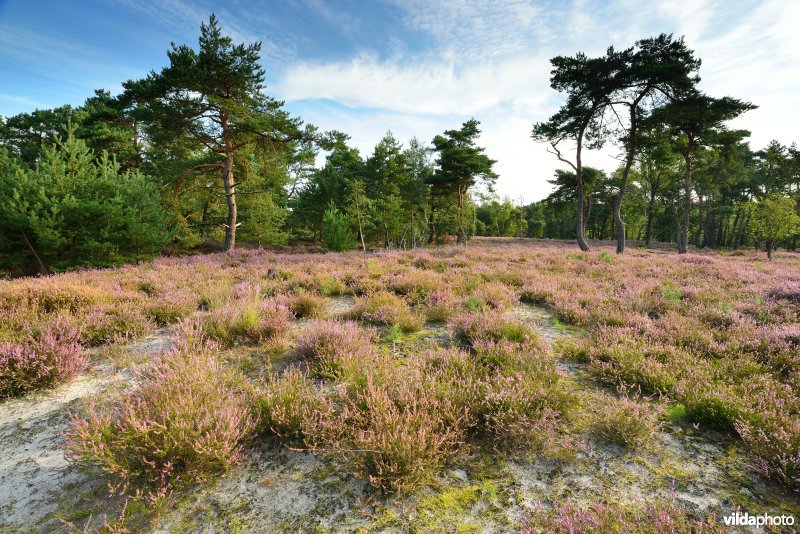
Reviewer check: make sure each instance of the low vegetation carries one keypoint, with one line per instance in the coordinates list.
(396, 392)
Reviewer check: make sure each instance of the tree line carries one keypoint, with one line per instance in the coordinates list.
(198, 156)
(684, 177)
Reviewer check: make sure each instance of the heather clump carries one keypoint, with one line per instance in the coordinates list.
(505, 355)
(396, 436)
(440, 305)
(336, 348)
(772, 430)
(416, 285)
(384, 308)
(305, 304)
(625, 421)
(457, 377)
(186, 420)
(521, 410)
(496, 295)
(491, 326)
(114, 325)
(290, 405)
(49, 296)
(403, 439)
(249, 319)
(42, 360)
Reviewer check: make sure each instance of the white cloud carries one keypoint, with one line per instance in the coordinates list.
(476, 28)
(440, 88)
(491, 62)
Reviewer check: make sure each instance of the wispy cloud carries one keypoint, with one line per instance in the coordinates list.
(439, 62)
(468, 29)
(490, 61)
(439, 88)
(244, 24)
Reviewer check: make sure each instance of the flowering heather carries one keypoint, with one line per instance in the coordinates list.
(114, 324)
(52, 356)
(400, 439)
(305, 304)
(521, 409)
(491, 326)
(249, 319)
(440, 305)
(415, 284)
(290, 406)
(659, 518)
(388, 309)
(496, 295)
(716, 333)
(185, 421)
(626, 421)
(331, 338)
(335, 346)
(48, 296)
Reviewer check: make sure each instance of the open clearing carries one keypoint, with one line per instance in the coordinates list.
(673, 375)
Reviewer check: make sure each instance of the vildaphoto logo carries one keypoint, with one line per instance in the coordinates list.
(746, 520)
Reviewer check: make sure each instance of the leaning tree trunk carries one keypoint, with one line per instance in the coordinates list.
(361, 236)
(687, 203)
(580, 231)
(230, 195)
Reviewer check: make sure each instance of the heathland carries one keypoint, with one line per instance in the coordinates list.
(509, 385)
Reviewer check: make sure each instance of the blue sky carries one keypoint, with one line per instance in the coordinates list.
(415, 67)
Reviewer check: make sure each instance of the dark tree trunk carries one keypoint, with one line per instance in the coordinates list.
(461, 237)
(743, 230)
(683, 243)
(581, 225)
(648, 239)
(625, 174)
(700, 222)
(677, 219)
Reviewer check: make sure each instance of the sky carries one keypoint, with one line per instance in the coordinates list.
(412, 67)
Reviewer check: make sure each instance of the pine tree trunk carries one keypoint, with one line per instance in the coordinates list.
(687, 203)
(230, 195)
(461, 238)
(648, 237)
(580, 231)
(625, 174)
(700, 222)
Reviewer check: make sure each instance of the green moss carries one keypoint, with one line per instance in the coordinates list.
(676, 413)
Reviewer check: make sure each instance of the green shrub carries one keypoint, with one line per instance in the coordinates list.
(336, 234)
(624, 422)
(78, 210)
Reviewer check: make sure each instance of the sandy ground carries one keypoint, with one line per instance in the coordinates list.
(280, 490)
(35, 474)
